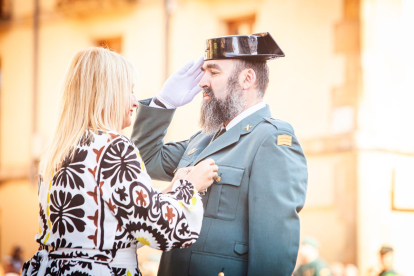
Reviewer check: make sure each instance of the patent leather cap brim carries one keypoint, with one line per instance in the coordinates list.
(258, 47)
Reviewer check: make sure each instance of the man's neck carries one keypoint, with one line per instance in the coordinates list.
(249, 105)
(245, 113)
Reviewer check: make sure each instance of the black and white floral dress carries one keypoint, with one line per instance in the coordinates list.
(100, 206)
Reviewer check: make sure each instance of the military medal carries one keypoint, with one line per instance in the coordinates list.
(191, 151)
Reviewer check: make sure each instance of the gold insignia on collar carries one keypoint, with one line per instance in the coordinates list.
(248, 127)
(191, 151)
(284, 140)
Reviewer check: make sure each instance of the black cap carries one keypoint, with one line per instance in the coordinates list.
(386, 249)
(260, 47)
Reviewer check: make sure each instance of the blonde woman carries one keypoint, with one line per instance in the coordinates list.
(97, 203)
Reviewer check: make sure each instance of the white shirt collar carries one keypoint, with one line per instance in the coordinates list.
(245, 114)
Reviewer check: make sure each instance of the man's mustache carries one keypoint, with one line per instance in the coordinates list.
(208, 91)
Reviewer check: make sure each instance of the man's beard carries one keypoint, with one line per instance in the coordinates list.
(215, 112)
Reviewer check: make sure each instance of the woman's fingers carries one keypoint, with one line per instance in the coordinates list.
(210, 161)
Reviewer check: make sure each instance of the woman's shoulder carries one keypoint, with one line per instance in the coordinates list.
(101, 138)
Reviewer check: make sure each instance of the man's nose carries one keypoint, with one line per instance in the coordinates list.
(204, 83)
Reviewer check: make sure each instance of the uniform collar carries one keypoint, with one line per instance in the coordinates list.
(245, 126)
(245, 114)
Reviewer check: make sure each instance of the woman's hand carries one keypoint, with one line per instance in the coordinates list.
(179, 174)
(182, 173)
(203, 174)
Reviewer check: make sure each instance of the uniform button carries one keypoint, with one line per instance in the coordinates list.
(221, 274)
(218, 179)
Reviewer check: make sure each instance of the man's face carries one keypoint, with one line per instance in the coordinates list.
(223, 97)
(216, 75)
(387, 260)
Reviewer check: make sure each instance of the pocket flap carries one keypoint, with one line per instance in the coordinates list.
(229, 175)
(241, 248)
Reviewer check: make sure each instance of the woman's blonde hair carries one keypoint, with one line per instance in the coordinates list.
(96, 90)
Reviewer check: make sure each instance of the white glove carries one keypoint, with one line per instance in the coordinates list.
(182, 86)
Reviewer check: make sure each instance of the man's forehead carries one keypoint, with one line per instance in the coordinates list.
(220, 64)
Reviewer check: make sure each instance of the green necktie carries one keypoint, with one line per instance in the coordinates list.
(219, 133)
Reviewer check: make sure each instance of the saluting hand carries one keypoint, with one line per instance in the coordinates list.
(182, 86)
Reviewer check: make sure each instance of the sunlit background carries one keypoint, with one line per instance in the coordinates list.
(346, 85)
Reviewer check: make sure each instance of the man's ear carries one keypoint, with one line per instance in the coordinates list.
(248, 79)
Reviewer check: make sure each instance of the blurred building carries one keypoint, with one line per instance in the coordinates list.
(346, 85)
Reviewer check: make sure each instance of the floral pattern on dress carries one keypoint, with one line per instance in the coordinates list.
(120, 163)
(102, 201)
(66, 212)
(72, 168)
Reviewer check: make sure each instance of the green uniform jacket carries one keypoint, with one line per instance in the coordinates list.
(251, 222)
(389, 273)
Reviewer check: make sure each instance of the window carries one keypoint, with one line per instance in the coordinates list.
(113, 44)
(1, 105)
(402, 188)
(5, 10)
(241, 26)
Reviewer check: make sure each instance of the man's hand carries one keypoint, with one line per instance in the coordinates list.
(182, 86)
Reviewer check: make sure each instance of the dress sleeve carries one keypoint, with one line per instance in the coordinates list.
(161, 221)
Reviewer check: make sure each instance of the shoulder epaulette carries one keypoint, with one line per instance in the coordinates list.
(279, 124)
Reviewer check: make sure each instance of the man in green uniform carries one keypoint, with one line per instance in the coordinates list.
(310, 262)
(387, 261)
(251, 222)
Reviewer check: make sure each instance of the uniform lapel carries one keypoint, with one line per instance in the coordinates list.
(232, 136)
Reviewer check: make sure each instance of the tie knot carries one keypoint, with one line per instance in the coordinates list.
(219, 133)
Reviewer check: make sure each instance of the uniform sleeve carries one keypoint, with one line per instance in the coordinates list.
(277, 192)
(161, 221)
(149, 130)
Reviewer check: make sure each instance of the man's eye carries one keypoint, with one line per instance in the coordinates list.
(214, 73)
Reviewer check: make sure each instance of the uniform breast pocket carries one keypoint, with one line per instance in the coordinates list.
(224, 194)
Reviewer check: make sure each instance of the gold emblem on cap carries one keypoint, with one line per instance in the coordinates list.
(191, 151)
(284, 140)
(248, 127)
